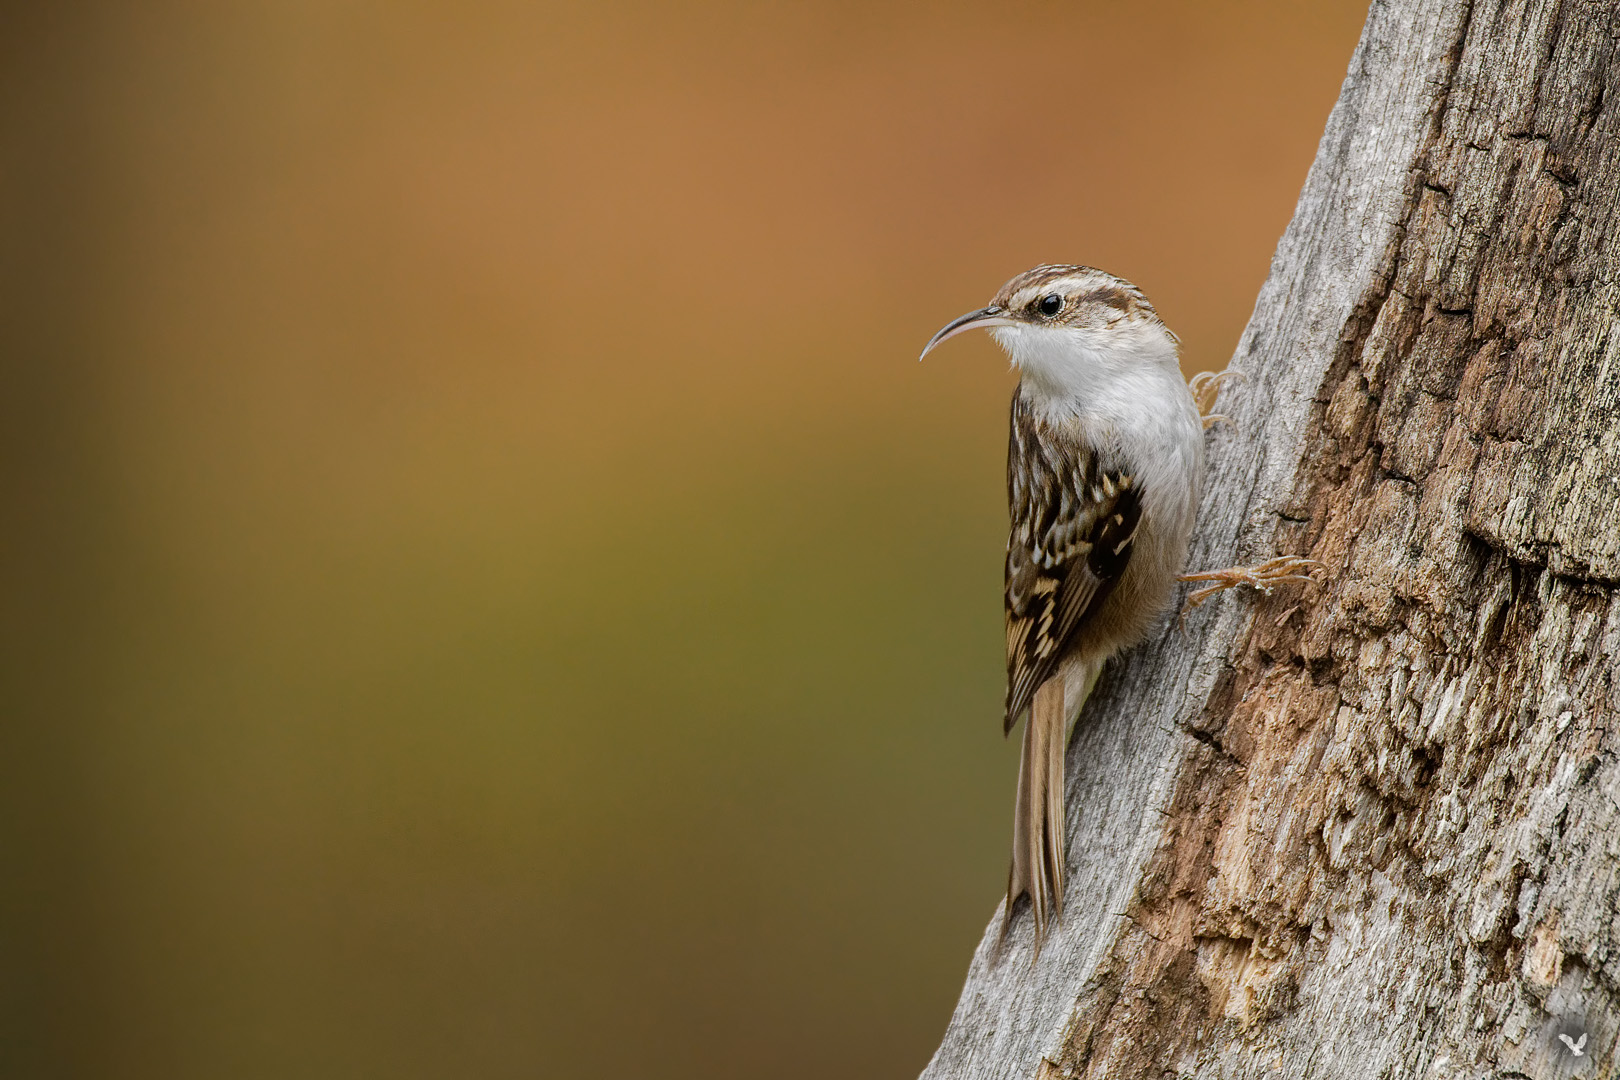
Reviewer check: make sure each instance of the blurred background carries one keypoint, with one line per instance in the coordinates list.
(489, 590)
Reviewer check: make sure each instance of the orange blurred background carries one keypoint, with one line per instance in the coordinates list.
(490, 591)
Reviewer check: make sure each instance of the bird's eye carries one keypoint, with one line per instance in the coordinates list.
(1050, 305)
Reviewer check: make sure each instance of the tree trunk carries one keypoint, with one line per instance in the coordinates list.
(1373, 830)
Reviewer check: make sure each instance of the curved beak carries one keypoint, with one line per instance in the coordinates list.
(983, 319)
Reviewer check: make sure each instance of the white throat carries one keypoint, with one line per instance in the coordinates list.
(1077, 369)
(1108, 374)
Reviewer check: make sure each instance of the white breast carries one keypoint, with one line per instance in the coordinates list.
(1120, 390)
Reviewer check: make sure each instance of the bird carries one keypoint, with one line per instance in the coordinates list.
(1576, 1048)
(1105, 460)
(1105, 457)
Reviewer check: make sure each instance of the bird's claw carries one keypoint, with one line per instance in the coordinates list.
(1205, 386)
(1265, 577)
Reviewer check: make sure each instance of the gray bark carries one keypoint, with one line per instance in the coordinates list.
(1373, 830)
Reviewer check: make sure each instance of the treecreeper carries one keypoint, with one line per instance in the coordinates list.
(1105, 457)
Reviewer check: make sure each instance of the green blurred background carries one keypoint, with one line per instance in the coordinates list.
(489, 590)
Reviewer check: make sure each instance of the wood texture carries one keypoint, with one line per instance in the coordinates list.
(1374, 831)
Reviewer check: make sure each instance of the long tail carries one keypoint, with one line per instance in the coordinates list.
(1039, 849)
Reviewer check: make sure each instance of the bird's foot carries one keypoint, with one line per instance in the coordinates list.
(1204, 386)
(1265, 577)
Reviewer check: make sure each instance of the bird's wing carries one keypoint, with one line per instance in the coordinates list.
(1072, 526)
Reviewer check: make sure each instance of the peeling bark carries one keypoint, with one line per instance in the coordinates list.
(1373, 830)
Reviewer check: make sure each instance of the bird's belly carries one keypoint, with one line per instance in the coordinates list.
(1139, 600)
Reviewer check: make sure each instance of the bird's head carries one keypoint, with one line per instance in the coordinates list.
(1065, 325)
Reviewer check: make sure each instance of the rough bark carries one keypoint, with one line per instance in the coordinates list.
(1373, 830)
